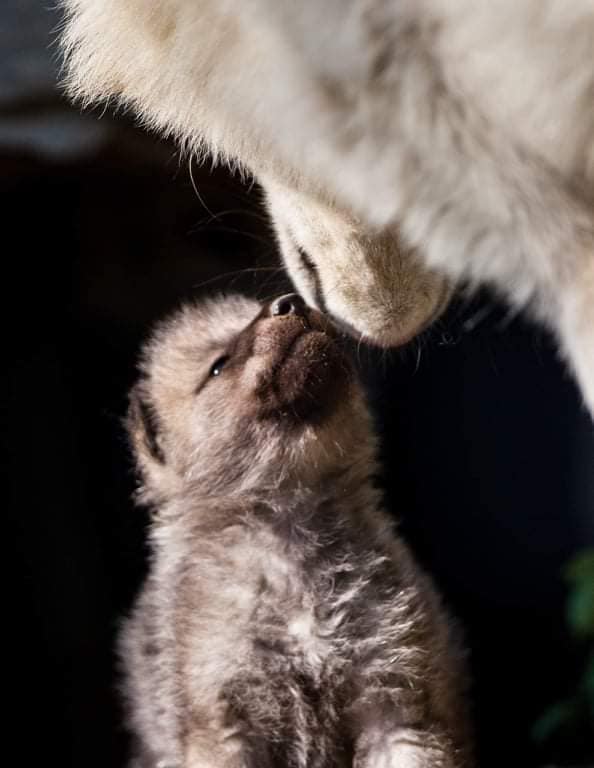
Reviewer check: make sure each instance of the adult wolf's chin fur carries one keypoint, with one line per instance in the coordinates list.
(469, 125)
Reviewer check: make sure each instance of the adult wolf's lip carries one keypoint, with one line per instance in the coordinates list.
(388, 337)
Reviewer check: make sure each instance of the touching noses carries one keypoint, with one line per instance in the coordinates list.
(289, 304)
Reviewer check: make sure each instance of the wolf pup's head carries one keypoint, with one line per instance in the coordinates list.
(235, 396)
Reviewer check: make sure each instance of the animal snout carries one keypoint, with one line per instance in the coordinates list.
(289, 304)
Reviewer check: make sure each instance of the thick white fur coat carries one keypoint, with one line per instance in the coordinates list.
(464, 127)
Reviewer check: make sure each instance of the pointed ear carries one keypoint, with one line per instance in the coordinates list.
(143, 430)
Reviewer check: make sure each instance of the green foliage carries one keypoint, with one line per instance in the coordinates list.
(580, 604)
(573, 717)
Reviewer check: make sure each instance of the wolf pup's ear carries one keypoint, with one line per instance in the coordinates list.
(143, 429)
(157, 475)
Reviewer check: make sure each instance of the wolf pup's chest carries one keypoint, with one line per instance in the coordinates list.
(294, 623)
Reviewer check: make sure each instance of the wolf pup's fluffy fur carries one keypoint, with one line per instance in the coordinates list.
(283, 622)
(467, 124)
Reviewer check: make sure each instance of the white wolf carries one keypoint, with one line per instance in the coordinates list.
(404, 146)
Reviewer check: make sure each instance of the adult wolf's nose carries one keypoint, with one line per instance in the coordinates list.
(289, 304)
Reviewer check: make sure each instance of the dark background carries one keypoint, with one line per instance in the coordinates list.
(488, 456)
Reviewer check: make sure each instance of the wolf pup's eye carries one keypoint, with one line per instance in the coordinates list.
(218, 365)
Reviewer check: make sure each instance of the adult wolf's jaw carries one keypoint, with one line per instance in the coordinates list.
(396, 332)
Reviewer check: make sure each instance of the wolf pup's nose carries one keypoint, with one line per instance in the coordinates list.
(289, 304)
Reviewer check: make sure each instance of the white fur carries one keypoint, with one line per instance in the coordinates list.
(469, 124)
